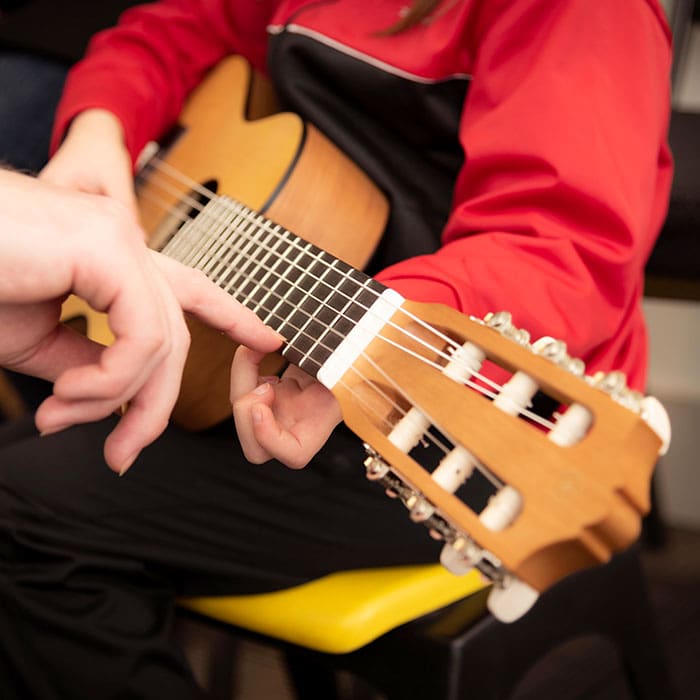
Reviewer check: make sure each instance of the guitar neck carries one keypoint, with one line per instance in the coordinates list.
(313, 299)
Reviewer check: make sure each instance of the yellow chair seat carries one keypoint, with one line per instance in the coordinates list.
(343, 611)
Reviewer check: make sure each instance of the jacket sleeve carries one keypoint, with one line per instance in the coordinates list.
(143, 69)
(566, 177)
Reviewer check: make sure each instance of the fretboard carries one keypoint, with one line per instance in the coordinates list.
(310, 297)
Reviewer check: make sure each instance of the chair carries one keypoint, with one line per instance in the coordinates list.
(452, 648)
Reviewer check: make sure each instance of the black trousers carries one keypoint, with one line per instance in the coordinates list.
(91, 563)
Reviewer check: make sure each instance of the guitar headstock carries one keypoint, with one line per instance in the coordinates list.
(525, 466)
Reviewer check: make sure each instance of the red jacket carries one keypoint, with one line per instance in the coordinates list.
(522, 143)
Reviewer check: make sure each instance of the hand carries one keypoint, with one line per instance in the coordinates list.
(54, 241)
(287, 419)
(93, 158)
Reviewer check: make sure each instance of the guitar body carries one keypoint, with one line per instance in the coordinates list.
(275, 164)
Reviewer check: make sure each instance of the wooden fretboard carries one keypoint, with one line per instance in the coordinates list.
(310, 297)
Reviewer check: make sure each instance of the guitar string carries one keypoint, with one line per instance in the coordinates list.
(525, 412)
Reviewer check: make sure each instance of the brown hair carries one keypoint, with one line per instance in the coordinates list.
(416, 12)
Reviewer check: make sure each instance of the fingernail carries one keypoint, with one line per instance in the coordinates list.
(261, 389)
(127, 464)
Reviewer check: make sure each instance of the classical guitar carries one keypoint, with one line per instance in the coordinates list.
(565, 488)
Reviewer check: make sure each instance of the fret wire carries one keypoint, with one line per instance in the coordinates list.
(283, 298)
(304, 276)
(263, 281)
(186, 243)
(309, 294)
(172, 246)
(229, 228)
(226, 201)
(235, 245)
(231, 272)
(300, 248)
(235, 271)
(251, 236)
(203, 235)
(324, 303)
(183, 244)
(283, 278)
(228, 220)
(281, 285)
(259, 260)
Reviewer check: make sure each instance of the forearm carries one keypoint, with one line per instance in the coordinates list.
(143, 69)
(566, 178)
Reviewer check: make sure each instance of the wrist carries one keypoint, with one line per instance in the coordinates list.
(99, 123)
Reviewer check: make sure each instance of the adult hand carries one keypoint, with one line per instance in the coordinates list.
(287, 419)
(54, 241)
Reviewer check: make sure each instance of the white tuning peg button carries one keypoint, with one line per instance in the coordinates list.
(460, 557)
(654, 414)
(511, 599)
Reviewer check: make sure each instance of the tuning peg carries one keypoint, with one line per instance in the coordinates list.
(420, 509)
(654, 414)
(503, 323)
(556, 351)
(460, 555)
(612, 383)
(551, 348)
(571, 426)
(499, 320)
(376, 467)
(502, 509)
(510, 599)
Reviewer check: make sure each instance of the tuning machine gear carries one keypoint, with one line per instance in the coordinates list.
(509, 597)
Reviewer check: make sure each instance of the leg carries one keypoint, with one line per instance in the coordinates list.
(91, 563)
